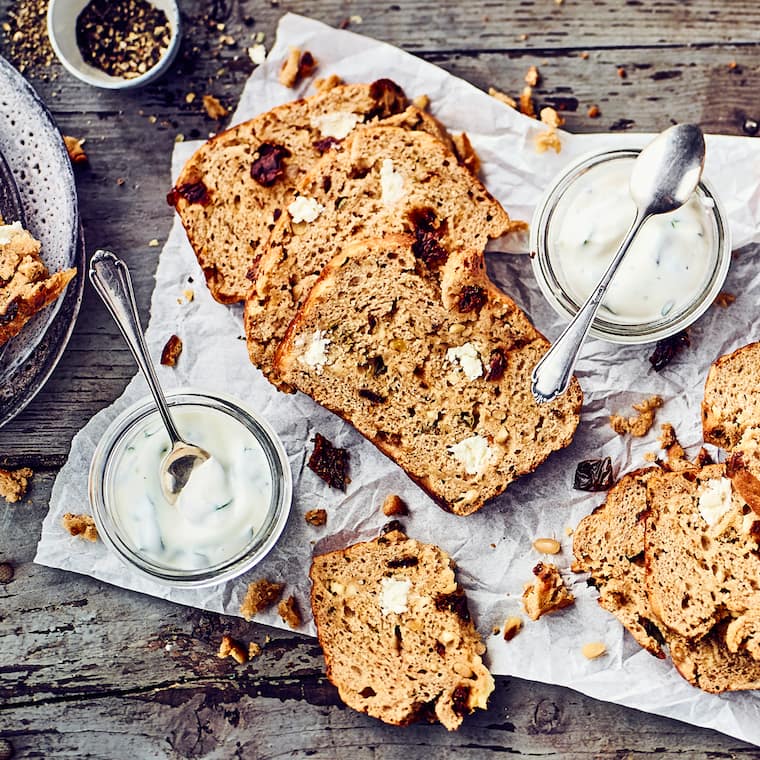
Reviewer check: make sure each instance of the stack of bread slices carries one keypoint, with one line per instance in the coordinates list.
(355, 233)
(675, 550)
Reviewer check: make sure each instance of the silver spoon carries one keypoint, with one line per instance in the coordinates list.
(110, 277)
(664, 176)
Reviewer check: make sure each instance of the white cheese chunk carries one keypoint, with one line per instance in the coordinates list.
(714, 500)
(394, 595)
(257, 53)
(315, 355)
(336, 124)
(7, 231)
(305, 209)
(391, 183)
(468, 358)
(474, 453)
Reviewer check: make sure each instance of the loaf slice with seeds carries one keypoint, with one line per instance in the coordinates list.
(231, 191)
(701, 547)
(732, 397)
(396, 633)
(386, 180)
(609, 544)
(26, 286)
(431, 362)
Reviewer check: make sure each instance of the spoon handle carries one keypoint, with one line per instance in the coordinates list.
(551, 376)
(110, 278)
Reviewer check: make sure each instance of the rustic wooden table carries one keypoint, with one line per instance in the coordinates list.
(88, 670)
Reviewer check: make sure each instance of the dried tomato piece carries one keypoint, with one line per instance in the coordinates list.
(428, 249)
(306, 65)
(192, 192)
(329, 462)
(391, 526)
(402, 562)
(471, 298)
(593, 475)
(667, 348)
(389, 97)
(497, 365)
(268, 166)
(456, 603)
(460, 700)
(375, 398)
(326, 143)
(171, 352)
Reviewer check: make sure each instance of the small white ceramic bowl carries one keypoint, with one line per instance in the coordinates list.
(61, 27)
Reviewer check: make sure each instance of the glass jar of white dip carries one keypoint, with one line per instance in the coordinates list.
(229, 515)
(673, 271)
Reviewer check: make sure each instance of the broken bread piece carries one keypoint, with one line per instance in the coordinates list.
(430, 362)
(547, 593)
(26, 285)
(397, 636)
(385, 180)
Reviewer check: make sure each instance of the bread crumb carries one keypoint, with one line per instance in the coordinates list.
(502, 97)
(230, 648)
(466, 153)
(422, 102)
(732, 65)
(80, 525)
(512, 626)
(583, 55)
(594, 112)
(593, 649)
(327, 83)
(153, 243)
(257, 53)
(289, 612)
(568, 531)
(171, 351)
(254, 650)
(724, 300)
(551, 118)
(639, 424)
(526, 102)
(532, 77)
(547, 594)
(621, 72)
(296, 66)
(650, 456)
(260, 595)
(316, 517)
(14, 483)
(214, 108)
(394, 506)
(75, 150)
(190, 97)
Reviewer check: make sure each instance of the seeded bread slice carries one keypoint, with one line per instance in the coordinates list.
(396, 633)
(385, 180)
(732, 401)
(26, 286)
(702, 557)
(609, 544)
(431, 362)
(231, 191)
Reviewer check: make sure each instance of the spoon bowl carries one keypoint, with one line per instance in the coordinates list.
(665, 175)
(110, 278)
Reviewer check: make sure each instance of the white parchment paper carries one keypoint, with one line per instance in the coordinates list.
(492, 547)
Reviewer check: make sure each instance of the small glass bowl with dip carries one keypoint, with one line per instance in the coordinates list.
(673, 271)
(228, 516)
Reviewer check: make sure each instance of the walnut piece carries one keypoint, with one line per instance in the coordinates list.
(14, 483)
(260, 595)
(80, 525)
(289, 612)
(394, 506)
(316, 517)
(639, 424)
(502, 97)
(724, 299)
(466, 153)
(171, 351)
(512, 626)
(214, 107)
(547, 594)
(230, 648)
(296, 66)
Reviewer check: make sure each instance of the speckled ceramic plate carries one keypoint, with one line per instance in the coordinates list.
(37, 163)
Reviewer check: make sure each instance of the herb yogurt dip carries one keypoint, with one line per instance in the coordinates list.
(667, 265)
(220, 510)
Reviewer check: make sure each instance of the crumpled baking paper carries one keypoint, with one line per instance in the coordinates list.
(492, 548)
